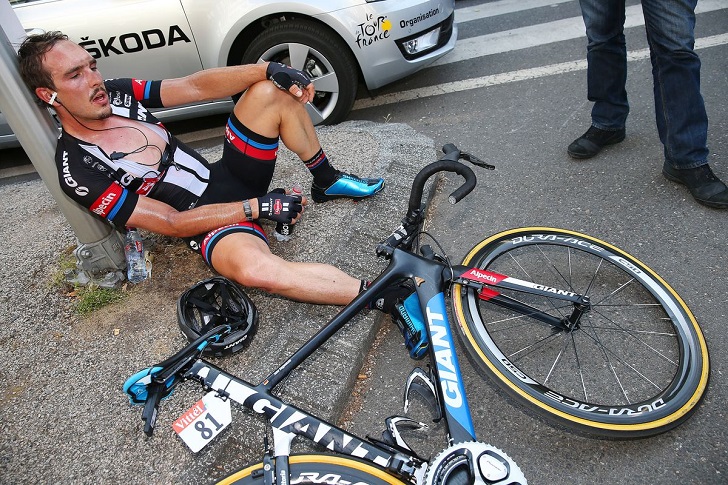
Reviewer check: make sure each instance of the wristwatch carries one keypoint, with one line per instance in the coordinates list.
(248, 210)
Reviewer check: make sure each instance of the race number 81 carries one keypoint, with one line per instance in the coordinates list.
(203, 421)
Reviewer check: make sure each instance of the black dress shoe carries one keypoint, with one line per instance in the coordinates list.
(702, 183)
(592, 142)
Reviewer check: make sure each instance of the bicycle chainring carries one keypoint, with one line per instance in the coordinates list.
(472, 463)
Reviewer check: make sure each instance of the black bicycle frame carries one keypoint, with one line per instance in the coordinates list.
(430, 278)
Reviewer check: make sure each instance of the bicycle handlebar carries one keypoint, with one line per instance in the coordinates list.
(151, 385)
(448, 163)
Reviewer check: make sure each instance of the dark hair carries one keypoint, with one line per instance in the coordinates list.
(30, 57)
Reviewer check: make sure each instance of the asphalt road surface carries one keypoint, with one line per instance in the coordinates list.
(514, 93)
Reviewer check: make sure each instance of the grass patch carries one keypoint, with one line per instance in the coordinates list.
(90, 298)
(66, 263)
(85, 299)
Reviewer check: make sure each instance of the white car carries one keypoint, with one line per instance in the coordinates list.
(338, 43)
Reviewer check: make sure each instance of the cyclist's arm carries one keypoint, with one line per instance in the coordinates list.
(156, 216)
(221, 82)
(210, 84)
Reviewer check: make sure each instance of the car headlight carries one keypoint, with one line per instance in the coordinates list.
(428, 40)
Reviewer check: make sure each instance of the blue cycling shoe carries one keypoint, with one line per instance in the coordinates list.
(408, 317)
(347, 185)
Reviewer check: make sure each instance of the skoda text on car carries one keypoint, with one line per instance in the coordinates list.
(337, 43)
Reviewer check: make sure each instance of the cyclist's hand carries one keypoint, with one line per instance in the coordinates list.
(277, 206)
(292, 80)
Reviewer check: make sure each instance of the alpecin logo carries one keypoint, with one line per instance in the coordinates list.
(479, 275)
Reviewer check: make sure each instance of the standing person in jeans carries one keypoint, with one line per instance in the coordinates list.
(682, 122)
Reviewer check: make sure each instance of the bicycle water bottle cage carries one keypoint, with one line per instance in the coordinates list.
(393, 433)
(423, 384)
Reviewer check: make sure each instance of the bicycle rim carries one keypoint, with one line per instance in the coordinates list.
(319, 468)
(637, 365)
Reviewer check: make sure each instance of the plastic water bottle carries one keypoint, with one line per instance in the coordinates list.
(136, 268)
(284, 231)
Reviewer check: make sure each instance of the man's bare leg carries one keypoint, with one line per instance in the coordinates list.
(272, 113)
(247, 259)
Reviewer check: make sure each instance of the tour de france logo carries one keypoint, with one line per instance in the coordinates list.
(373, 30)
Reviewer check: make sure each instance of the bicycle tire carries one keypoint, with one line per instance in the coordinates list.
(319, 468)
(636, 366)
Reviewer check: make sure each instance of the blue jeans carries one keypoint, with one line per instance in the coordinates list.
(682, 122)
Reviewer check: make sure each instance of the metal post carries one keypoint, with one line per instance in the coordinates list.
(100, 254)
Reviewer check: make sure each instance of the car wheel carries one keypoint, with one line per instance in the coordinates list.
(321, 54)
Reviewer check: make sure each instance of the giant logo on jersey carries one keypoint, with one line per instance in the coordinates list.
(70, 181)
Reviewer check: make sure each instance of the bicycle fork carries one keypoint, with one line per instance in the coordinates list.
(482, 280)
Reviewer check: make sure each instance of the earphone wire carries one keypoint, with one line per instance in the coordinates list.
(137, 150)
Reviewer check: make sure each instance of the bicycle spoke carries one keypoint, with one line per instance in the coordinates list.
(553, 366)
(578, 366)
(632, 334)
(614, 373)
(528, 276)
(514, 357)
(554, 268)
(637, 332)
(613, 293)
(611, 366)
(570, 281)
(622, 361)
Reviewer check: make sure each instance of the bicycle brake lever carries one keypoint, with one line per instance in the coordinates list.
(476, 161)
(151, 406)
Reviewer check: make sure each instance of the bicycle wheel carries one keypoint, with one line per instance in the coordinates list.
(637, 365)
(319, 468)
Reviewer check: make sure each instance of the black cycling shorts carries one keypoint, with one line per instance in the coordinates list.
(244, 172)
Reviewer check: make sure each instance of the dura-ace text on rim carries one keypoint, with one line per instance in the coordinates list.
(319, 468)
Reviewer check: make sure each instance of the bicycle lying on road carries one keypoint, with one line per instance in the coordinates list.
(572, 327)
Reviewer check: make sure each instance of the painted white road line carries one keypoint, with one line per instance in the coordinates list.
(513, 76)
(546, 33)
(502, 7)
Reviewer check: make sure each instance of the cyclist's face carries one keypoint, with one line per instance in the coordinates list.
(78, 82)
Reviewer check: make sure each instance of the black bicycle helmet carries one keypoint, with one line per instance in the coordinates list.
(218, 301)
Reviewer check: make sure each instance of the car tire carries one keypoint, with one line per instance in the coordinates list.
(321, 54)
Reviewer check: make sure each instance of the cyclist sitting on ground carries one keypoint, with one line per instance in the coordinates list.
(121, 163)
